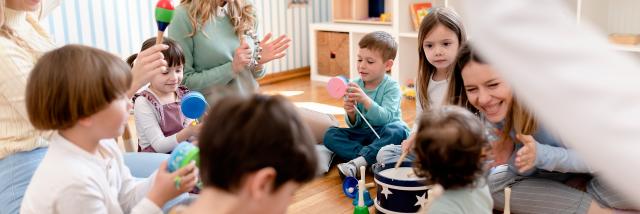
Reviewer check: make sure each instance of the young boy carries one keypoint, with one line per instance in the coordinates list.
(80, 92)
(250, 167)
(377, 97)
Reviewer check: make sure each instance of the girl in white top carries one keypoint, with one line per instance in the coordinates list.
(441, 34)
(81, 93)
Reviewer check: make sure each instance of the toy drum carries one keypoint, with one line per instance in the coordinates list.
(182, 155)
(193, 105)
(398, 190)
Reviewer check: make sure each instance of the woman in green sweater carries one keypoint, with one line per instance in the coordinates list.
(211, 33)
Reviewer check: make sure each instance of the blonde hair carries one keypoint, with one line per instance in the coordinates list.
(10, 34)
(437, 16)
(74, 82)
(200, 11)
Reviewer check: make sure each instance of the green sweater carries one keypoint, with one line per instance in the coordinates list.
(209, 54)
(385, 108)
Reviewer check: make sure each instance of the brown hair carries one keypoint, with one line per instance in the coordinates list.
(448, 18)
(174, 55)
(242, 15)
(381, 42)
(518, 117)
(242, 135)
(449, 145)
(73, 82)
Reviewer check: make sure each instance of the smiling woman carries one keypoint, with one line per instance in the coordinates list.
(539, 165)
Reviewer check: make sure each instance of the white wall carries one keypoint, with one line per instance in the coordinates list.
(120, 26)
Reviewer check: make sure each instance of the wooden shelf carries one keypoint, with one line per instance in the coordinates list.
(409, 34)
(361, 22)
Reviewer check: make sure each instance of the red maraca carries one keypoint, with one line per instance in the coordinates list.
(164, 14)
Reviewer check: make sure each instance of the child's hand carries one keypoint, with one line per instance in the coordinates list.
(526, 156)
(149, 63)
(349, 106)
(242, 57)
(407, 144)
(355, 93)
(169, 185)
(194, 130)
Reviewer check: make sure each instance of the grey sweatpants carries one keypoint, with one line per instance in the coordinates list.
(531, 194)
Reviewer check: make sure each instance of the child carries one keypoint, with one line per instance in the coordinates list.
(377, 97)
(248, 167)
(441, 34)
(160, 123)
(80, 92)
(449, 148)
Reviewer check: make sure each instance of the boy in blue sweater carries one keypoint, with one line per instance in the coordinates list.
(377, 97)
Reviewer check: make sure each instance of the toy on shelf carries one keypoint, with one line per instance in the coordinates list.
(419, 11)
(164, 14)
(409, 91)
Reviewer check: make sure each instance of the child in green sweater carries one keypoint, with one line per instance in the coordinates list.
(377, 97)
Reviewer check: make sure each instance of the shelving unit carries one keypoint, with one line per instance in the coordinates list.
(610, 16)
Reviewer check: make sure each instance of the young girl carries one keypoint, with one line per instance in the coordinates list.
(254, 178)
(160, 123)
(539, 166)
(449, 150)
(80, 92)
(440, 36)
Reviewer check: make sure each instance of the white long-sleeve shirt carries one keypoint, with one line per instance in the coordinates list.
(71, 180)
(570, 77)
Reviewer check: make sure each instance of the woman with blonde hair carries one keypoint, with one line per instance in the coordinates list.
(22, 42)
(211, 32)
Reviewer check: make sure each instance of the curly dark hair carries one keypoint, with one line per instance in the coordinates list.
(449, 146)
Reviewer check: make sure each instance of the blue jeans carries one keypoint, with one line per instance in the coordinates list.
(391, 154)
(15, 175)
(350, 143)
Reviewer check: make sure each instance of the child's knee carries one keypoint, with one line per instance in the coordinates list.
(388, 153)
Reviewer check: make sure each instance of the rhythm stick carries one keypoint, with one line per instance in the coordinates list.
(164, 14)
(507, 200)
(337, 88)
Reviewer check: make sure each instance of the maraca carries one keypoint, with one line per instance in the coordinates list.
(164, 14)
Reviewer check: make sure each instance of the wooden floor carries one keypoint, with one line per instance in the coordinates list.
(324, 194)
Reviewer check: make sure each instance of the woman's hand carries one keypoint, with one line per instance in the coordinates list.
(273, 49)
(149, 63)
(526, 156)
(242, 57)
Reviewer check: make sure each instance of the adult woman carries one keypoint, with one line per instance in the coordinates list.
(22, 42)
(543, 174)
(211, 32)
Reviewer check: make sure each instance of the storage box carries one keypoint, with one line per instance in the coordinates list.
(333, 53)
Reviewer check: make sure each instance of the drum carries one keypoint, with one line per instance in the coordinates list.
(398, 190)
